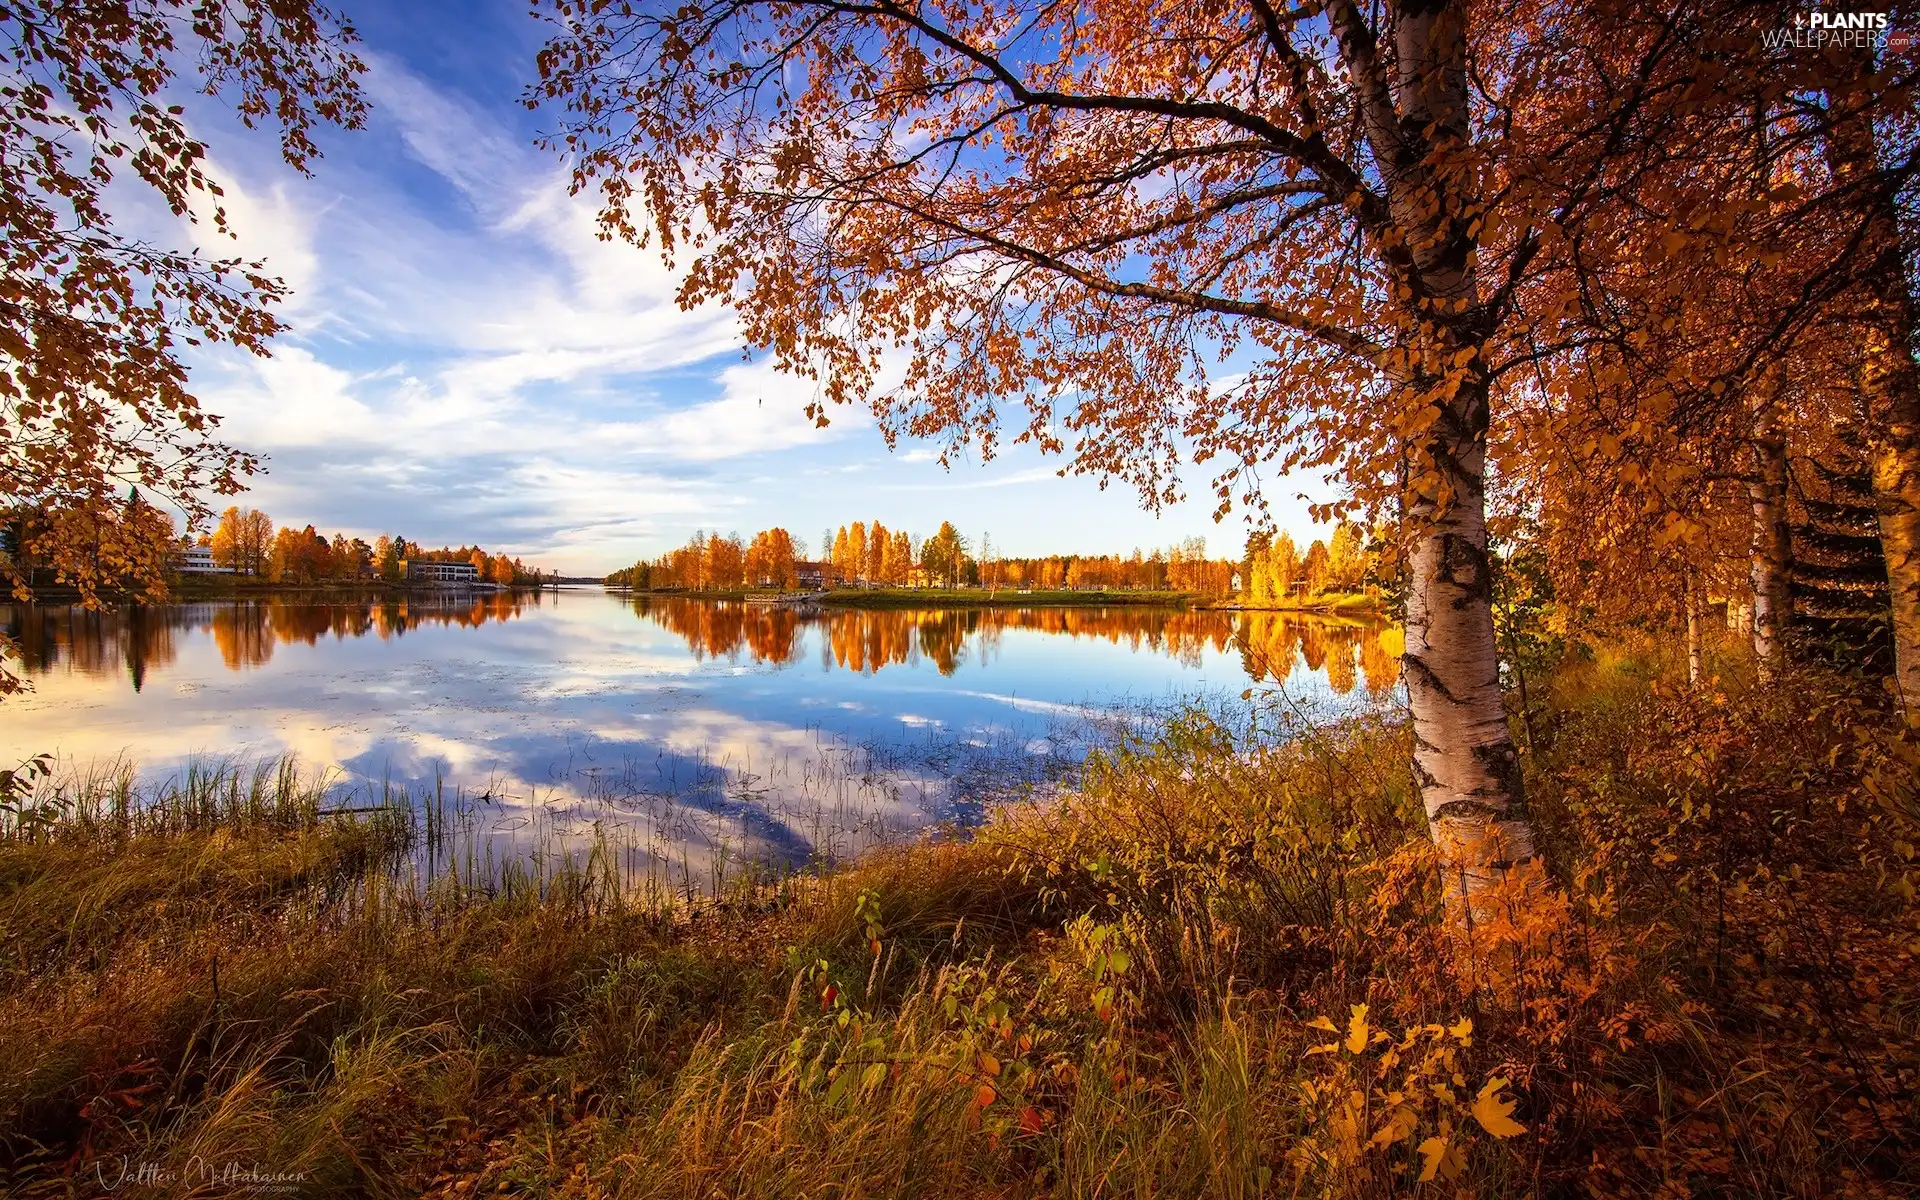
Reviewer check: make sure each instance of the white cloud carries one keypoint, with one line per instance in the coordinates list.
(292, 398)
(1010, 479)
(268, 225)
(762, 409)
(468, 360)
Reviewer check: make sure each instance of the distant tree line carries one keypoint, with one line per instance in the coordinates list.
(246, 542)
(868, 554)
(129, 547)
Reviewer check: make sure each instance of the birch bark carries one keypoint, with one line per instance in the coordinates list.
(1467, 766)
(1889, 384)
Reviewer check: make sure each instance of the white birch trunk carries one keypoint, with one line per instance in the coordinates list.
(1690, 600)
(1889, 384)
(1415, 114)
(1770, 555)
(1465, 760)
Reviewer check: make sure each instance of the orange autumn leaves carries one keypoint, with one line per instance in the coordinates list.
(94, 322)
(1382, 1092)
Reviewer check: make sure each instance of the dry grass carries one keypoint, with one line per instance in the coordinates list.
(1108, 996)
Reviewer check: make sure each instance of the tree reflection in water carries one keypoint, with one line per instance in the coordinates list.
(140, 638)
(866, 640)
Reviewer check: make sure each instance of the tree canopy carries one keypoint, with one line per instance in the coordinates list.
(1443, 243)
(94, 324)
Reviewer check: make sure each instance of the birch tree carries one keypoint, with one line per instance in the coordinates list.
(1060, 215)
(1883, 310)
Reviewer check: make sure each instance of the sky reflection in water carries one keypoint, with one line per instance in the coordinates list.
(693, 729)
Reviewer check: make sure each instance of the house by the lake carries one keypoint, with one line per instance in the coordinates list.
(443, 574)
(198, 560)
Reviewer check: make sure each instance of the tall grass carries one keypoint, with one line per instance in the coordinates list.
(1113, 993)
(108, 801)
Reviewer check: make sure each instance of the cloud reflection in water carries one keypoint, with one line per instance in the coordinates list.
(691, 732)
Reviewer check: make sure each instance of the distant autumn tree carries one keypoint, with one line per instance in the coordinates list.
(840, 556)
(899, 558)
(1347, 557)
(93, 392)
(770, 559)
(874, 566)
(1060, 212)
(243, 540)
(943, 555)
(1316, 567)
(857, 551)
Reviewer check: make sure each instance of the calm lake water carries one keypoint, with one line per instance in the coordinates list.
(689, 731)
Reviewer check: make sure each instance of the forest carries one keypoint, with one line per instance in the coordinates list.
(870, 555)
(134, 552)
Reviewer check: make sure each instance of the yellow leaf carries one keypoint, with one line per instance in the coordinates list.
(1441, 1156)
(1357, 1030)
(1325, 1023)
(1494, 1111)
(1398, 1128)
(1462, 1032)
(1431, 1151)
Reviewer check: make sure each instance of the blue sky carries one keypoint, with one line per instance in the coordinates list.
(468, 363)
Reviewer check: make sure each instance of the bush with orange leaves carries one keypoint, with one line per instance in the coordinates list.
(1397, 1111)
(1716, 994)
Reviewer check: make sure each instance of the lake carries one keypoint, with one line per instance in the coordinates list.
(692, 733)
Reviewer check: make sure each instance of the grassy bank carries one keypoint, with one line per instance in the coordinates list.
(1117, 995)
(1355, 604)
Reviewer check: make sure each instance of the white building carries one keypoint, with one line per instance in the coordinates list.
(198, 560)
(423, 571)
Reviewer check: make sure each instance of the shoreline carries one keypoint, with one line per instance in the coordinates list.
(1345, 604)
(935, 597)
(996, 1002)
(232, 589)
